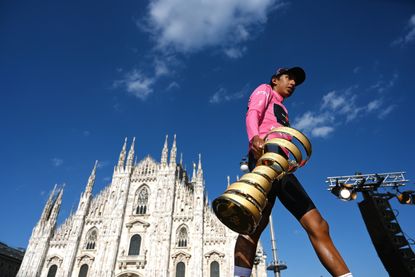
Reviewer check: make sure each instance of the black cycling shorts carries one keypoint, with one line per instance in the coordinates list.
(289, 191)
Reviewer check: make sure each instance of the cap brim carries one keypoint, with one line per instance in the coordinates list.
(298, 73)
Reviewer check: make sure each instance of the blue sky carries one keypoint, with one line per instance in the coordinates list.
(78, 77)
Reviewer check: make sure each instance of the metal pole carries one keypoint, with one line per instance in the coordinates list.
(274, 247)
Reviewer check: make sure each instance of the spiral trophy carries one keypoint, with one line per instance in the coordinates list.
(240, 206)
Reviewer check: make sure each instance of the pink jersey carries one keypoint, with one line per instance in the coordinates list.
(265, 112)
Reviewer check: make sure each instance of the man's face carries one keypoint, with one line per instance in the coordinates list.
(285, 85)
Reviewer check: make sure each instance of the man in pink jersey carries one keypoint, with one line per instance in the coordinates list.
(266, 111)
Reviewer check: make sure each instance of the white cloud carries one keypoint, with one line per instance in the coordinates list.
(57, 162)
(340, 107)
(102, 164)
(386, 111)
(381, 86)
(315, 124)
(189, 26)
(160, 68)
(308, 120)
(173, 85)
(234, 52)
(343, 103)
(374, 105)
(333, 101)
(183, 27)
(409, 36)
(140, 84)
(135, 83)
(322, 131)
(222, 95)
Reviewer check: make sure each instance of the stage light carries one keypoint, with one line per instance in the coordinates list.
(344, 192)
(406, 197)
(244, 165)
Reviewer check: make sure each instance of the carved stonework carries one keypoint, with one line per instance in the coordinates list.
(181, 256)
(85, 259)
(54, 260)
(214, 256)
(137, 222)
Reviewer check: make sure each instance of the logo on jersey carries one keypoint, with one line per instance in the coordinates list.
(281, 115)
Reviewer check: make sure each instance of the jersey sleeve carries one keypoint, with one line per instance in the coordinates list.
(256, 109)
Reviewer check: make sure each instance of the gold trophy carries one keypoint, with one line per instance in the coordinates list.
(240, 206)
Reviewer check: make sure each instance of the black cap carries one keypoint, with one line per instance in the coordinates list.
(296, 72)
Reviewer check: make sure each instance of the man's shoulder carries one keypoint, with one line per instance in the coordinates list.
(263, 89)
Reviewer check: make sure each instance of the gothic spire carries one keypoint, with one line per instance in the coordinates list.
(130, 157)
(173, 152)
(194, 173)
(56, 208)
(164, 153)
(199, 167)
(48, 206)
(91, 179)
(121, 160)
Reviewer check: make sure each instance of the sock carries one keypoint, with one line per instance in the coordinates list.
(346, 275)
(240, 271)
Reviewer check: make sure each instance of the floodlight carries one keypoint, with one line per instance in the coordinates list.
(344, 192)
(244, 165)
(406, 197)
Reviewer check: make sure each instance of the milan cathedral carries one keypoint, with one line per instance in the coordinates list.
(153, 219)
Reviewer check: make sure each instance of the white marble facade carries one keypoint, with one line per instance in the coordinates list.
(152, 220)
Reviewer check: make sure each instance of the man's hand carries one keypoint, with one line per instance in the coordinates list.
(257, 146)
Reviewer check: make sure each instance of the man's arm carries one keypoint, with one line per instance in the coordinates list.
(257, 105)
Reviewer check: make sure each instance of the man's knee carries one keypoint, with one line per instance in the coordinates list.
(263, 223)
(246, 241)
(322, 226)
(314, 223)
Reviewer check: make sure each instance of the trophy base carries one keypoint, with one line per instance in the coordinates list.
(234, 215)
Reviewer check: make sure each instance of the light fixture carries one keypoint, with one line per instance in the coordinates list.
(244, 165)
(406, 197)
(345, 192)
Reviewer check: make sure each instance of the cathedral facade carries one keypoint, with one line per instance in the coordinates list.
(153, 219)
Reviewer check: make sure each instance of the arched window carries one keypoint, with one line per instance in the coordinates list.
(180, 270)
(83, 272)
(142, 201)
(52, 271)
(182, 237)
(135, 244)
(214, 269)
(91, 239)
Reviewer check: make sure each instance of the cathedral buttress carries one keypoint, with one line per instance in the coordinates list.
(34, 258)
(108, 250)
(198, 216)
(78, 222)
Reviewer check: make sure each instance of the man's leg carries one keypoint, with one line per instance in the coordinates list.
(293, 196)
(318, 232)
(245, 247)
